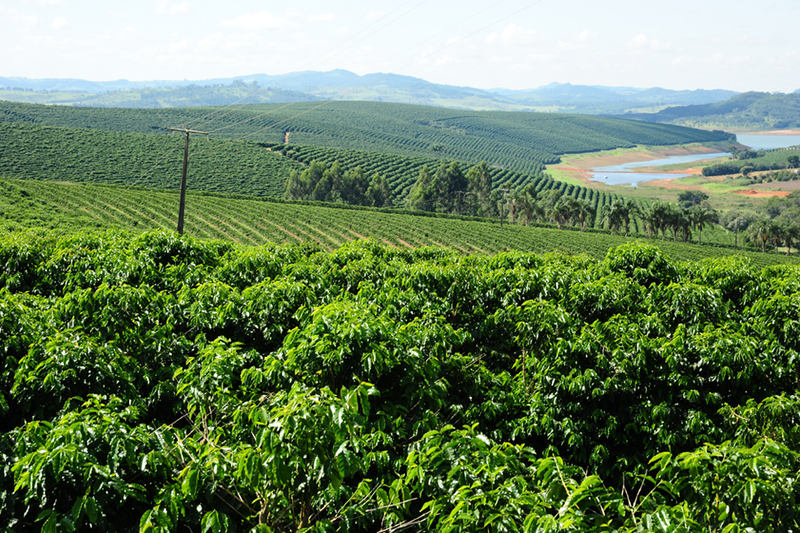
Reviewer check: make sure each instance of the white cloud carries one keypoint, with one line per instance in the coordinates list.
(180, 45)
(50, 2)
(321, 17)
(373, 15)
(18, 18)
(586, 36)
(59, 23)
(255, 21)
(642, 42)
(164, 7)
(512, 34)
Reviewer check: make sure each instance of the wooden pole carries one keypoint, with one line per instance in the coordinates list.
(182, 207)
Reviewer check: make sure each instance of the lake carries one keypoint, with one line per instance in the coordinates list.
(625, 174)
(766, 142)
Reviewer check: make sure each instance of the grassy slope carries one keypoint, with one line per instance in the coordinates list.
(514, 140)
(65, 208)
(64, 154)
(750, 111)
(239, 167)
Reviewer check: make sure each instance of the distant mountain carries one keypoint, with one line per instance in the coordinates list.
(345, 85)
(746, 111)
(178, 96)
(599, 99)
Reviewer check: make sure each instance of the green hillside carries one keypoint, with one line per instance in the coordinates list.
(516, 141)
(97, 156)
(748, 111)
(776, 159)
(67, 208)
(217, 165)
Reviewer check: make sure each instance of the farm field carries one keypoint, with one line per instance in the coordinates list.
(512, 140)
(242, 167)
(158, 383)
(33, 206)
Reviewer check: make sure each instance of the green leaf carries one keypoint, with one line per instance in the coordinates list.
(90, 507)
(50, 525)
(189, 485)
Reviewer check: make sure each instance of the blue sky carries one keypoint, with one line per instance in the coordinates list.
(513, 44)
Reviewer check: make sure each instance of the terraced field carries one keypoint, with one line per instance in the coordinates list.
(522, 142)
(65, 208)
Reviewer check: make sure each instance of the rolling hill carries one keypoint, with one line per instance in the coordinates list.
(523, 142)
(345, 85)
(750, 111)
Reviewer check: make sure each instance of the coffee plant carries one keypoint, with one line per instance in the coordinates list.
(158, 383)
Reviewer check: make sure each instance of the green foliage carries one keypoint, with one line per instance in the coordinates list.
(745, 112)
(779, 158)
(163, 383)
(513, 140)
(109, 157)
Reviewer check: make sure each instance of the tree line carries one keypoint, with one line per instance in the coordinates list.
(323, 184)
(777, 224)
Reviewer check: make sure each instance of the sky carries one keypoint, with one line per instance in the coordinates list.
(512, 44)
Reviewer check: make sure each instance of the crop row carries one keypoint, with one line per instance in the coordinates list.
(82, 155)
(69, 207)
(513, 140)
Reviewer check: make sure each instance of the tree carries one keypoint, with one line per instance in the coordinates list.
(479, 179)
(422, 195)
(584, 212)
(563, 210)
(691, 198)
(379, 194)
(628, 210)
(302, 186)
(447, 181)
(612, 216)
(791, 233)
(699, 216)
(761, 232)
(737, 221)
(619, 213)
(794, 161)
(526, 205)
(354, 187)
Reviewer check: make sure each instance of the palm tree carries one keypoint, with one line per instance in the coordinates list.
(584, 212)
(563, 210)
(612, 215)
(628, 209)
(661, 213)
(761, 231)
(676, 219)
(700, 216)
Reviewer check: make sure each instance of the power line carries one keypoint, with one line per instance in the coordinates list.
(187, 132)
(385, 59)
(368, 83)
(317, 58)
(182, 207)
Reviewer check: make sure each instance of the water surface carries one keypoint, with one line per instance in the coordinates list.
(622, 174)
(767, 142)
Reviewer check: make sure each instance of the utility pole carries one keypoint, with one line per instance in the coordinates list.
(182, 207)
(502, 202)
